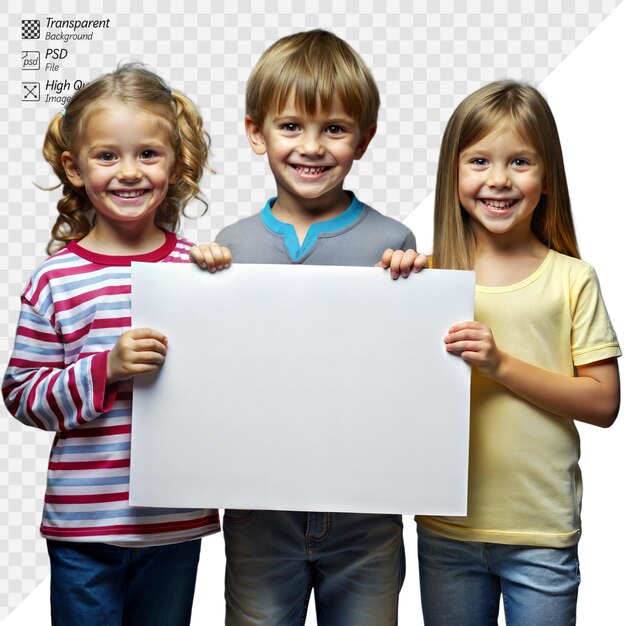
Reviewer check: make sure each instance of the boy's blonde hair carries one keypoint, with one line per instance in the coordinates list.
(315, 66)
(526, 110)
(130, 85)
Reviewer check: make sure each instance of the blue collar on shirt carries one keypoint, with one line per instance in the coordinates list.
(288, 232)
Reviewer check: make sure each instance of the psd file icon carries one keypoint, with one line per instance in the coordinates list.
(30, 59)
(30, 29)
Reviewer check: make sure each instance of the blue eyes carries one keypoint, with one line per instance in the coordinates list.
(480, 162)
(333, 129)
(144, 155)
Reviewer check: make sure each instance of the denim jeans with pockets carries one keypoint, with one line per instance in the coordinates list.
(103, 585)
(461, 583)
(353, 563)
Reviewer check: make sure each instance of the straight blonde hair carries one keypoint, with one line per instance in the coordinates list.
(314, 66)
(526, 110)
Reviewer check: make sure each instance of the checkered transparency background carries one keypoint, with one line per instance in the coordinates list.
(425, 56)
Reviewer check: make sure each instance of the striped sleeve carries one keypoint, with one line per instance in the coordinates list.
(73, 311)
(40, 390)
(56, 377)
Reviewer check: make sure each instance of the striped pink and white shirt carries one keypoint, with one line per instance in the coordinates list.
(74, 308)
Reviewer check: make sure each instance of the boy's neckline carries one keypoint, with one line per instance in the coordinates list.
(296, 249)
(125, 260)
(303, 214)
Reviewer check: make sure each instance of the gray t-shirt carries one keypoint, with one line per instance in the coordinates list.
(361, 242)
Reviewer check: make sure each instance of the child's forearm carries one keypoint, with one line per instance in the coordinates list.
(593, 396)
(58, 398)
(41, 390)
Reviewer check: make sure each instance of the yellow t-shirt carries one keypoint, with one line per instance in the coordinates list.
(524, 480)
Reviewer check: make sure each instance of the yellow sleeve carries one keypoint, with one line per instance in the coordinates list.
(593, 338)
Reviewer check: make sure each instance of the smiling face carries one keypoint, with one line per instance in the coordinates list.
(501, 179)
(309, 155)
(125, 163)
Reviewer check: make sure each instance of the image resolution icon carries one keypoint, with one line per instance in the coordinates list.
(30, 92)
(30, 29)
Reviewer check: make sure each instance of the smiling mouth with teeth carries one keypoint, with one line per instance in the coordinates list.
(499, 204)
(302, 169)
(129, 194)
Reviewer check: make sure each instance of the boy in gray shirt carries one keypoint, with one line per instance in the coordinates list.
(311, 107)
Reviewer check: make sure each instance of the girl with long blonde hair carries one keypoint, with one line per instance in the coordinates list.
(543, 353)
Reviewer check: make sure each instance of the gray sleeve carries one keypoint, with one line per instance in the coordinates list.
(250, 241)
(409, 242)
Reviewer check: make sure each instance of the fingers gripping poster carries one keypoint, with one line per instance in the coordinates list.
(425, 57)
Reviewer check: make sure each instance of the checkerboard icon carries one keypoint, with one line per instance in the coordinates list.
(30, 29)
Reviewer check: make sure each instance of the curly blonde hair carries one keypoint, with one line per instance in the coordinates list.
(133, 85)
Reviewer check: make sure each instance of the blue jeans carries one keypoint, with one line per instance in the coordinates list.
(461, 583)
(354, 564)
(104, 585)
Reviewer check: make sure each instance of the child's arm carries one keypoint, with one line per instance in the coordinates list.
(401, 263)
(211, 256)
(592, 396)
(40, 389)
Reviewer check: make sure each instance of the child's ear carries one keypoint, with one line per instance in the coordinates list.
(366, 137)
(255, 136)
(70, 165)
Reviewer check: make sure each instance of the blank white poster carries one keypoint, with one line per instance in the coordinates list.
(307, 388)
